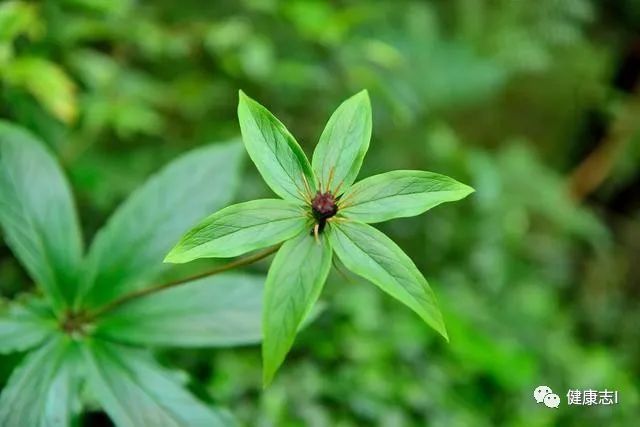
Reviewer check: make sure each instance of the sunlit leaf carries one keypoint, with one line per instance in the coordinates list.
(294, 283)
(240, 228)
(17, 17)
(47, 82)
(400, 193)
(37, 213)
(222, 310)
(343, 144)
(274, 151)
(371, 254)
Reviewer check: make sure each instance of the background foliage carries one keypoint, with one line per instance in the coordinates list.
(534, 104)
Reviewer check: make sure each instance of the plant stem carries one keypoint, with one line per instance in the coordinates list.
(153, 289)
(598, 165)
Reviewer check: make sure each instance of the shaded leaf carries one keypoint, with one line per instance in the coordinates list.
(399, 194)
(371, 254)
(240, 228)
(294, 283)
(42, 391)
(37, 213)
(24, 326)
(222, 310)
(128, 251)
(343, 144)
(275, 152)
(136, 391)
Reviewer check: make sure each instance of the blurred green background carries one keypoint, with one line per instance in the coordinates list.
(536, 104)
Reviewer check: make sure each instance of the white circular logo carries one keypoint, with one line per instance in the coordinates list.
(552, 400)
(544, 394)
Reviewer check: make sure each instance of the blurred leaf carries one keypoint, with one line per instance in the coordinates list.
(43, 390)
(128, 251)
(294, 283)
(106, 7)
(240, 228)
(315, 19)
(218, 311)
(280, 160)
(38, 215)
(47, 82)
(228, 34)
(257, 58)
(124, 99)
(136, 391)
(24, 325)
(399, 194)
(372, 255)
(343, 144)
(543, 191)
(18, 17)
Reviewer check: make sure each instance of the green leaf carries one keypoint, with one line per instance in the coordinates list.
(222, 310)
(43, 390)
(369, 253)
(47, 82)
(24, 326)
(135, 391)
(294, 283)
(343, 144)
(18, 18)
(127, 253)
(275, 152)
(37, 213)
(241, 228)
(399, 194)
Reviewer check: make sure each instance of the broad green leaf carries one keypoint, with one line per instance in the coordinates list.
(37, 213)
(222, 310)
(294, 283)
(399, 194)
(135, 391)
(343, 144)
(24, 325)
(43, 390)
(16, 18)
(275, 152)
(241, 228)
(47, 82)
(128, 252)
(371, 254)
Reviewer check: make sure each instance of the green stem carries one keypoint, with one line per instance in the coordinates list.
(153, 289)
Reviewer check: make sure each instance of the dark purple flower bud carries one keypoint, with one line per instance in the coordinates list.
(324, 206)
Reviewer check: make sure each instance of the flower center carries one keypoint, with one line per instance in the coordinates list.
(323, 207)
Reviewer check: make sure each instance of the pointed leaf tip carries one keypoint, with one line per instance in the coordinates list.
(370, 254)
(343, 144)
(170, 258)
(240, 228)
(294, 283)
(275, 152)
(398, 194)
(364, 93)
